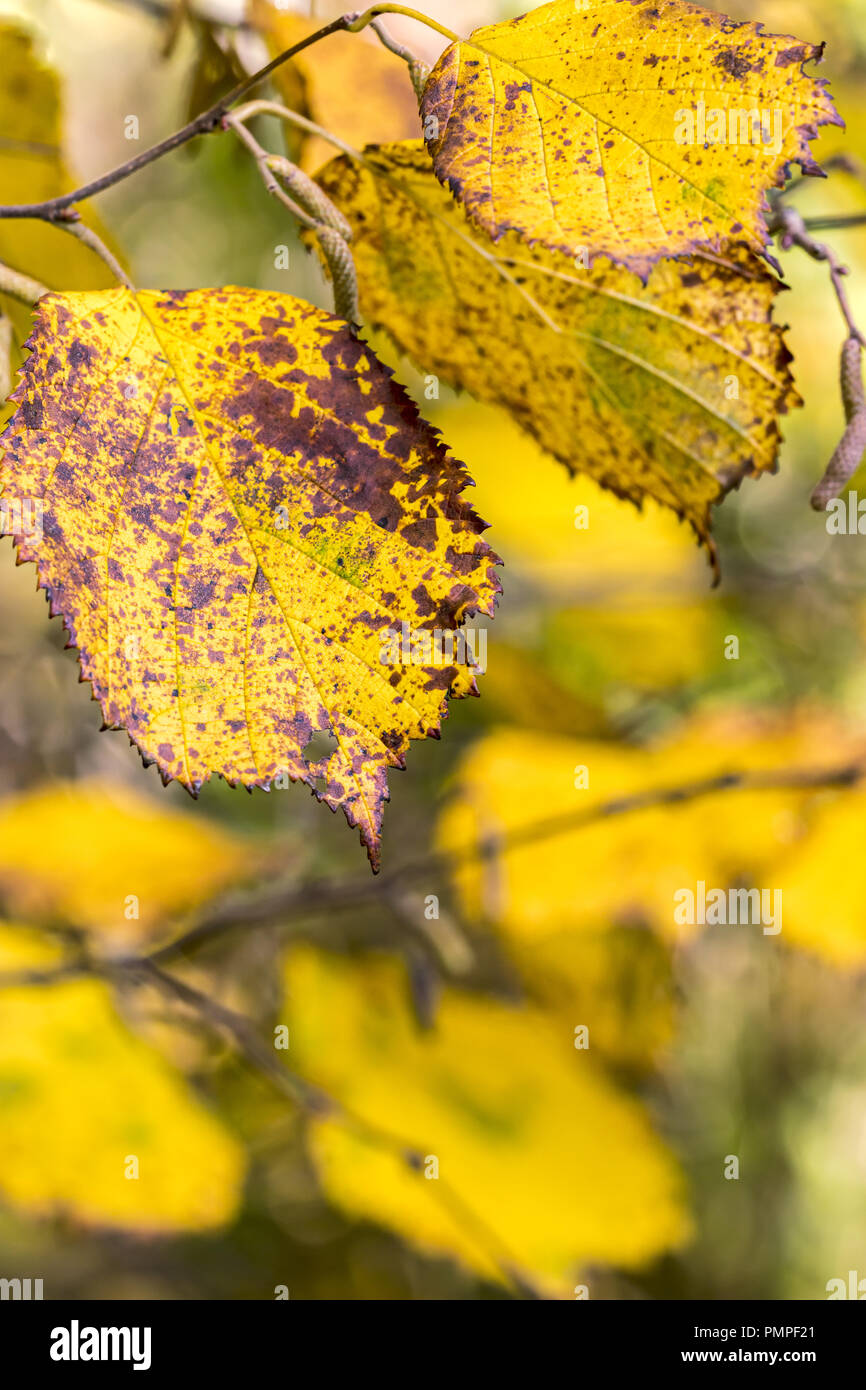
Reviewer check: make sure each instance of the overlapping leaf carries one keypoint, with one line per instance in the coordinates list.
(670, 390)
(238, 502)
(570, 125)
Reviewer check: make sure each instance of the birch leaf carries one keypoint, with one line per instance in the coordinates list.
(669, 390)
(238, 502)
(577, 125)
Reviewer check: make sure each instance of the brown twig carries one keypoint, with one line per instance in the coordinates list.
(787, 223)
(318, 896)
(849, 451)
(262, 157)
(206, 122)
(419, 71)
(89, 238)
(318, 215)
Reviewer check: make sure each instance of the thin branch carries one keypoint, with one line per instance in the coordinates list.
(329, 895)
(849, 451)
(320, 216)
(835, 224)
(262, 156)
(90, 239)
(203, 124)
(210, 120)
(792, 230)
(263, 107)
(419, 71)
(369, 15)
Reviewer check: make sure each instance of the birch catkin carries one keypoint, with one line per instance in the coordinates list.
(849, 451)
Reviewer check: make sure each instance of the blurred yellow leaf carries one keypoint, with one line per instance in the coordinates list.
(652, 647)
(91, 854)
(542, 1163)
(569, 125)
(348, 84)
(32, 169)
(81, 1099)
(626, 867)
(823, 882)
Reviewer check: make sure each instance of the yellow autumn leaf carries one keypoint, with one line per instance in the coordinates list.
(242, 509)
(670, 390)
(635, 129)
(32, 168)
(627, 867)
(823, 881)
(82, 1101)
(91, 855)
(349, 84)
(651, 647)
(542, 1163)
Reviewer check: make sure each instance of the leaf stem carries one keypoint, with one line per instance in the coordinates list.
(418, 70)
(318, 215)
(361, 21)
(792, 231)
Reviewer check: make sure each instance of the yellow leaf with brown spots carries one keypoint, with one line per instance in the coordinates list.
(243, 512)
(348, 84)
(669, 390)
(623, 127)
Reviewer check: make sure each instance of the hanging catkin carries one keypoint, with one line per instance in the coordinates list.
(851, 446)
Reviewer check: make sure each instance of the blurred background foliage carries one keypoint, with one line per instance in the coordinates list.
(449, 1037)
